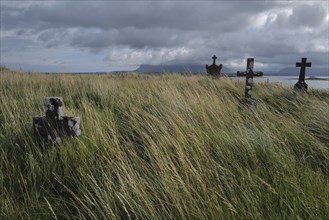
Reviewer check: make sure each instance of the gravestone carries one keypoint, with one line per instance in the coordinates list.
(301, 84)
(248, 100)
(55, 124)
(214, 69)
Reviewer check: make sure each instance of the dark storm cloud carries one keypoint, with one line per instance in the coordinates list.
(133, 37)
(141, 15)
(168, 31)
(150, 25)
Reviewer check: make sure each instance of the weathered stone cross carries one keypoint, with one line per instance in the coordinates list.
(249, 78)
(249, 74)
(55, 125)
(214, 69)
(248, 101)
(301, 81)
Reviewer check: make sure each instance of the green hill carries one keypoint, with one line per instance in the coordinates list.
(164, 147)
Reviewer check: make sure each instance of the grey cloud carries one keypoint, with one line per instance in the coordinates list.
(309, 15)
(133, 37)
(59, 62)
(21, 32)
(142, 31)
(88, 39)
(14, 44)
(289, 60)
(54, 37)
(303, 15)
(141, 15)
(136, 24)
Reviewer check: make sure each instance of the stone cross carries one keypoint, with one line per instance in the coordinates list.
(55, 125)
(214, 60)
(301, 81)
(244, 73)
(248, 101)
(249, 78)
(214, 69)
(249, 74)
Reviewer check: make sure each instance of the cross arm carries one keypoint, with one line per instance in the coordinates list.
(244, 73)
(304, 64)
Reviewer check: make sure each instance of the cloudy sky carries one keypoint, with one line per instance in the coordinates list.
(83, 36)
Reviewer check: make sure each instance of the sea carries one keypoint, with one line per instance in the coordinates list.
(315, 82)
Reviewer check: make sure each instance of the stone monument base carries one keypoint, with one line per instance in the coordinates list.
(301, 85)
(53, 130)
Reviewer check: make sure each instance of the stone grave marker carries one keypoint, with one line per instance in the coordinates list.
(55, 124)
(248, 100)
(213, 69)
(301, 84)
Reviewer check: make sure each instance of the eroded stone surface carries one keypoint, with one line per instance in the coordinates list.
(248, 101)
(249, 78)
(54, 107)
(55, 125)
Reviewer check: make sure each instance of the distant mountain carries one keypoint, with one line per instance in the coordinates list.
(198, 68)
(177, 68)
(310, 71)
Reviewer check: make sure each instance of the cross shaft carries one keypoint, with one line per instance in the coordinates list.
(249, 78)
(303, 66)
(214, 59)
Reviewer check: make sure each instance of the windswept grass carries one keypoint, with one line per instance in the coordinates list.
(164, 147)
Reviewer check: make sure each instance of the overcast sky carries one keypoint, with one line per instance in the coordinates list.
(82, 36)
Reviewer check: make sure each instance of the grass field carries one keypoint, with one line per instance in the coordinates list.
(164, 147)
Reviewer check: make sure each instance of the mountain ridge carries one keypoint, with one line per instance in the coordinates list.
(198, 68)
(180, 68)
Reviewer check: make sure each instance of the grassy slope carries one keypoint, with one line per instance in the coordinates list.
(162, 147)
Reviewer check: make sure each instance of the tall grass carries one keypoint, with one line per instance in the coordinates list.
(164, 147)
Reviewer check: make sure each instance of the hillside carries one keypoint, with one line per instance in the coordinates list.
(164, 146)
